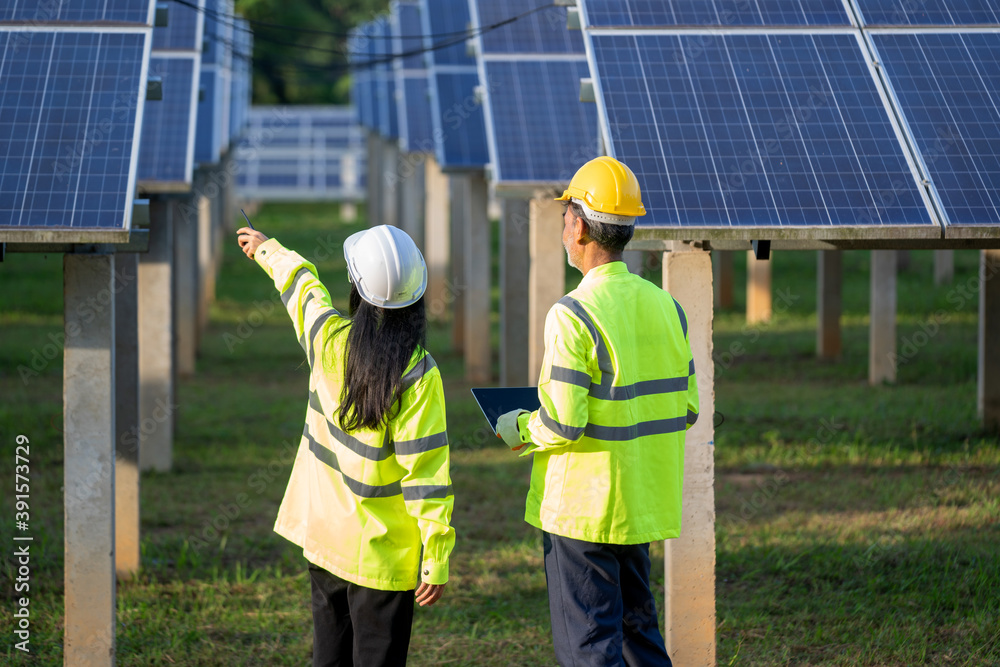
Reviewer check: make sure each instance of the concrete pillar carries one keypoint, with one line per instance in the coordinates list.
(722, 276)
(437, 240)
(156, 335)
(127, 415)
(546, 277)
(514, 301)
(988, 385)
(89, 460)
(209, 221)
(188, 218)
(458, 186)
(391, 185)
(944, 267)
(758, 289)
(635, 260)
(374, 182)
(478, 267)
(828, 283)
(412, 208)
(902, 260)
(348, 211)
(882, 329)
(689, 560)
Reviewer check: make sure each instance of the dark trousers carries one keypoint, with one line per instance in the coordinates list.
(354, 626)
(602, 610)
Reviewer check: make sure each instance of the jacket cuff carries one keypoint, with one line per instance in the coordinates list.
(265, 251)
(434, 573)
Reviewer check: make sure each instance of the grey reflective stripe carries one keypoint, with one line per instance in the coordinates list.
(309, 297)
(316, 328)
(692, 417)
(620, 433)
(571, 433)
(286, 296)
(570, 376)
(603, 354)
(349, 441)
(691, 368)
(682, 316)
(642, 388)
(420, 369)
(421, 445)
(426, 492)
(361, 489)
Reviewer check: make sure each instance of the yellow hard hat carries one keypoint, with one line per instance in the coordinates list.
(606, 186)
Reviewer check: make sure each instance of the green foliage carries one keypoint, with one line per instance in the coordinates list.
(297, 65)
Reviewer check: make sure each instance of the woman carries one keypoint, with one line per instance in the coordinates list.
(370, 485)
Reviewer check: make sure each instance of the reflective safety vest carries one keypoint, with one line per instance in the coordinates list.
(362, 504)
(618, 392)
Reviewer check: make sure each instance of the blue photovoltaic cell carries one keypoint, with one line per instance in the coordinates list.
(167, 124)
(419, 131)
(218, 33)
(446, 22)
(757, 131)
(948, 88)
(542, 31)
(68, 109)
(206, 143)
(929, 12)
(533, 142)
(662, 13)
(183, 30)
(79, 11)
(409, 35)
(460, 133)
(385, 80)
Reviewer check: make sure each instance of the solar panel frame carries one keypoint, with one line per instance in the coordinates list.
(416, 133)
(646, 229)
(119, 232)
(122, 12)
(598, 11)
(541, 28)
(926, 16)
(988, 229)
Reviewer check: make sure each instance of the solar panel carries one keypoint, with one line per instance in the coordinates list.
(385, 82)
(166, 152)
(445, 22)
(184, 30)
(412, 95)
(929, 12)
(540, 31)
(69, 109)
(207, 146)
(530, 142)
(947, 85)
(242, 81)
(60, 11)
(769, 130)
(664, 13)
(459, 129)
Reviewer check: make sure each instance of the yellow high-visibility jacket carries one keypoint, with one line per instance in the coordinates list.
(362, 504)
(618, 392)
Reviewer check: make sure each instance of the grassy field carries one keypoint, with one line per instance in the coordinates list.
(856, 525)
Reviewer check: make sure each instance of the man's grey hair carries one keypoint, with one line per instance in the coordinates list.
(611, 238)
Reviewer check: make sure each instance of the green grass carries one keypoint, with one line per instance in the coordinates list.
(856, 525)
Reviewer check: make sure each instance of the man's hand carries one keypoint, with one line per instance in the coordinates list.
(249, 239)
(507, 429)
(428, 594)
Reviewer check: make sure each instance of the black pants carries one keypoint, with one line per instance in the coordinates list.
(602, 610)
(354, 626)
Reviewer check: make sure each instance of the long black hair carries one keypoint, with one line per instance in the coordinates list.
(380, 344)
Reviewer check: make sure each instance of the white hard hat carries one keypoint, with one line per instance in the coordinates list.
(386, 266)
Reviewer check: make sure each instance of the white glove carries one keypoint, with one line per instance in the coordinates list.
(508, 430)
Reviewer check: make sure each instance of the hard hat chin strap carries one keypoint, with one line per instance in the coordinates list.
(605, 218)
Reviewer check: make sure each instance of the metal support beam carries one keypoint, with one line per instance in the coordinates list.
(882, 327)
(689, 560)
(828, 308)
(514, 302)
(478, 267)
(89, 460)
(127, 415)
(546, 276)
(156, 335)
(758, 289)
(988, 385)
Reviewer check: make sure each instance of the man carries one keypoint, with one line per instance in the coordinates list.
(617, 391)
